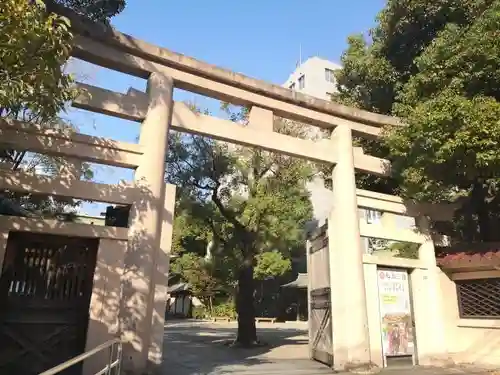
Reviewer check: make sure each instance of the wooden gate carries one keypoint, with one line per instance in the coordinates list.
(320, 312)
(45, 289)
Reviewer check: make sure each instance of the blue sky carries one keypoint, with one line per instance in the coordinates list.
(258, 38)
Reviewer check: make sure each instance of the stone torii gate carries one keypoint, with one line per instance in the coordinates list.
(142, 251)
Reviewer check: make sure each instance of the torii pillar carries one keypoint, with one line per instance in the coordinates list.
(145, 228)
(351, 340)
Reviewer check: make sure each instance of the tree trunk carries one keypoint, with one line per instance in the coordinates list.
(479, 194)
(245, 306)
(211, 306)
(469, 225)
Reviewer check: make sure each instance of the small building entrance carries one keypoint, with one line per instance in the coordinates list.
(396, 318)
(45, 288)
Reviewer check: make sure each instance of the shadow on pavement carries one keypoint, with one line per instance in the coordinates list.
(193, 348)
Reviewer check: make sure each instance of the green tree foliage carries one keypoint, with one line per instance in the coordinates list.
(271, 264)
(191, 232)
(35, 45)
(193, 243)
(406, 250)
(435, 64)
(199, 273)
(33, 48)
(248, 202)
(95, 10)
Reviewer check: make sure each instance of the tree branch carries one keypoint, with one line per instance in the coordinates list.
(214, 231)
(202, 187)
(228, 215)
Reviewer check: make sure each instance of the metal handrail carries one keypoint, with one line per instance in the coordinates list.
(112, 363)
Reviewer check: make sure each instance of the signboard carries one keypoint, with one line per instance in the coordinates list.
(395, 313)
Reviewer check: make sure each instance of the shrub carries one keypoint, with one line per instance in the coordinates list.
(225, 309)
(199, 312)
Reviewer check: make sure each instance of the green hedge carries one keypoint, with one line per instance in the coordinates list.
(225, 309)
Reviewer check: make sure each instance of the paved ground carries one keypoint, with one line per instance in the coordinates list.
(197, 348)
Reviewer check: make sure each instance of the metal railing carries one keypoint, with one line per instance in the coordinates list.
(112, 367)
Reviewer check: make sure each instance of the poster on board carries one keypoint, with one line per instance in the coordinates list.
(395, 313)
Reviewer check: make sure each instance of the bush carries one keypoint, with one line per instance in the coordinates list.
(225, 309)
(199, 312)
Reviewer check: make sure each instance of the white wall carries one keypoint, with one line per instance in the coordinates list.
(316, 85)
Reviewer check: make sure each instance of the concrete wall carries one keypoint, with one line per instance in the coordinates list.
(469, 340)
(129, 287)
(105, 302)
(425, 315)
(440, 338)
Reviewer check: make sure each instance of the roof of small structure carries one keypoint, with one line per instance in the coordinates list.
(179, 287)
(484, 255)
(300, 282)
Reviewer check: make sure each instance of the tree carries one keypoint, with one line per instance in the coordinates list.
(34, 88)
(95, 10)
(199, 273)
(271, 264)
(451, 104)
(268, 266)
(35, 46)
(434, 64)
(253, 202)
(373, 72)
(399, 249)
(193, 240)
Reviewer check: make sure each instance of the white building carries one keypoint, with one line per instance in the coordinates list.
(314, 77)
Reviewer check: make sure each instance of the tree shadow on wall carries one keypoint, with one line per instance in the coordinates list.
(129, 265)
(130, 287)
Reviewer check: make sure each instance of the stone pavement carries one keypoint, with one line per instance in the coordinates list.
(197, 348)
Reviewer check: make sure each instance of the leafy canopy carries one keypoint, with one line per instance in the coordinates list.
(34, 88)
(249, 199)
(197, 272)
(33, 47)
(271, 264)
(436, 65)
(248, 203)
(95, 10)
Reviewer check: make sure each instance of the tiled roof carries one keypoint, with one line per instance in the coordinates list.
(473, 255)
(300, 282)
(180, 287)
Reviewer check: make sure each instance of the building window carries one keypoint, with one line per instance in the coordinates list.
(373, 217)
(292, 86)
(479, 298)
(329, 75)
(302, 82)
